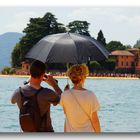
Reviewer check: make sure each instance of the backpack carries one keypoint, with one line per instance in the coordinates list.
(29, 116)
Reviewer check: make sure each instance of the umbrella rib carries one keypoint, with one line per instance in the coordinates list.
(40, 50)
(56, 41)
(74, 44)
(99, 44)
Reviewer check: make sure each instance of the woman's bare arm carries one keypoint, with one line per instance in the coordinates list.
(95, 122)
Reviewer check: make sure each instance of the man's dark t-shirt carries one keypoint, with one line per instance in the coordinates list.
(45, 98)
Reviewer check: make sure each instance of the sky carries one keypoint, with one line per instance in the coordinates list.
(119, 23)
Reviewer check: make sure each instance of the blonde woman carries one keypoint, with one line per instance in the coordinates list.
(80, 105)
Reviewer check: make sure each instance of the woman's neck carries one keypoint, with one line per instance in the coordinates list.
(78, 86)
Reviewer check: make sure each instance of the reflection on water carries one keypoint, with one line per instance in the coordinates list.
(119, 99)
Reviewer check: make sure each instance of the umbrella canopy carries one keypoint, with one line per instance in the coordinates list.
(67, 48)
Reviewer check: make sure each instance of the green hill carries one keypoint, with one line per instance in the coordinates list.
(8, 41)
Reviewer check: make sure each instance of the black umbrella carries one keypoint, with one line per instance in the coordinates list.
(67, 48)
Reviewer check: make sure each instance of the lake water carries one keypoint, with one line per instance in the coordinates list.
(119, 99)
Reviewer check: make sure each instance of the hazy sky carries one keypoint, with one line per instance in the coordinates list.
(117, 23)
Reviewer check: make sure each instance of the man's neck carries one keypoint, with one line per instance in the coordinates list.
(35, 83)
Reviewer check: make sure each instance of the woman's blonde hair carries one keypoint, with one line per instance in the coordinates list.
(78, 72)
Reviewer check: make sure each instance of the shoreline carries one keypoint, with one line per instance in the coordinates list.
(65, 77)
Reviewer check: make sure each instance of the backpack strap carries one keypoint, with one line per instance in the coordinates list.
(22, 95)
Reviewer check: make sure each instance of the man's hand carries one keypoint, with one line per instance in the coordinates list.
(50, 80)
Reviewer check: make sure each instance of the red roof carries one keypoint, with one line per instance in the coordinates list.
(134, 49)
(122, 53)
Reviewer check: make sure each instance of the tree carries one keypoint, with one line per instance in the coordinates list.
(80, 27)
(16, 56)
(35, 30)
(101, 38)
(137, 45)
(7, 70)
(94, 65)
(128, 47)
(115, 45)
(108, 64)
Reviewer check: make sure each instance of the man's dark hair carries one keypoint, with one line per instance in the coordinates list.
(37, 69)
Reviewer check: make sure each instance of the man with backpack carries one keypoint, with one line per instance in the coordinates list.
(34, 101)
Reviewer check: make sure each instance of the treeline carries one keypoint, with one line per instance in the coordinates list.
(39, 27)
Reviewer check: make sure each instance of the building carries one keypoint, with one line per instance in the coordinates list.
(25, 68)
(136, 53)
(127, 61)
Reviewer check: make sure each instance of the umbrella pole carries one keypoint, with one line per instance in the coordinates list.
(67, 85)
(66, 73)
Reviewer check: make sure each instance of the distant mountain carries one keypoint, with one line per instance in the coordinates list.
(7, 43)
